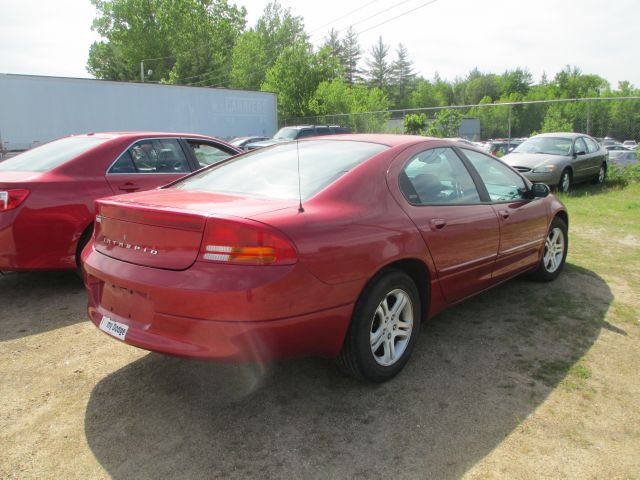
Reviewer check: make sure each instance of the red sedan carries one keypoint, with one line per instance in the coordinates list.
(336, 246)
(47, 194)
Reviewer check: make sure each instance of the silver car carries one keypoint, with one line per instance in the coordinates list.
(560, 159)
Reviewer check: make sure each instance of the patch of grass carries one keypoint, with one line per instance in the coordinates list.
(550, 372)
(581, 371)
(625, 313)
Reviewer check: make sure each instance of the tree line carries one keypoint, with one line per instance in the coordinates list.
(207, 43)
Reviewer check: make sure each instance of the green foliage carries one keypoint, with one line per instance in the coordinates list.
(337, 97)
(190, 39)
(295, 76)
(402, 78)
(415, 124)
(623, 175)
(554, 121)
(446, 124)
(379, 71)
(257, 50)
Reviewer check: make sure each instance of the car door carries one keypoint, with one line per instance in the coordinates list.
(206, 152)
(147, 164)
(582, 160)
(597, 155)
(523, 220)
(461, 233)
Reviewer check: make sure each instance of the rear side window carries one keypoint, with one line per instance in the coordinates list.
(163, 155)
(273, 172)
(437, 176)
(52, 154)
(592, 146)
(206, 153)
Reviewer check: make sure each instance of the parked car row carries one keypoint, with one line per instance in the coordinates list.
(337, 246)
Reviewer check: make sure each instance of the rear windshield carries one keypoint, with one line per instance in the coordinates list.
(51, 155)
(273, 172)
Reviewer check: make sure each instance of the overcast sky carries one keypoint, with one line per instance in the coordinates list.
(448, 36)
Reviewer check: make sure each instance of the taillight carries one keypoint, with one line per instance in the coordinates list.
(240, 242)
(10, 199)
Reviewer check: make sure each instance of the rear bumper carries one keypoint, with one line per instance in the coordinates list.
(220, 312)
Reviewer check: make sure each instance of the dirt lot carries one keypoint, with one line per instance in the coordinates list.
(525, 381)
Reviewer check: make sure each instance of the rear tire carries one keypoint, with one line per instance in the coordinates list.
(383, 329)
(84, 239)
(602, 175)
(553, 258)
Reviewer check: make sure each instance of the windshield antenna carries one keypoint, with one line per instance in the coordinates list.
(300, 209)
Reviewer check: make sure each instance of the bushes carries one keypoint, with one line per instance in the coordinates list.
(618, 175)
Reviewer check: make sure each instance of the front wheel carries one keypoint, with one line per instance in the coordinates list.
(565, 181)
(383, 330)
(555, 252)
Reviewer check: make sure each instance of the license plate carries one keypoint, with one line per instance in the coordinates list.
(113, 328)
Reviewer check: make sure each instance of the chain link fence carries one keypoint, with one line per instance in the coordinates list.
(614, 117)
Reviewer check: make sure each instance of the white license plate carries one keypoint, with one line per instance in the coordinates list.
(113, 328)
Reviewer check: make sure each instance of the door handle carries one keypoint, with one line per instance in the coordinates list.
(437, 223)
(504, 214)
(128, 187)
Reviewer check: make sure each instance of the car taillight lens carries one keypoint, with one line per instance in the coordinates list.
(243, 243)
(10, 199)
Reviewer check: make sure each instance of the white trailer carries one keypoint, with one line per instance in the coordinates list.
(36, 109)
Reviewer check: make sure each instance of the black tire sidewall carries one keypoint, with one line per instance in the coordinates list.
(542, 273)
(567, 172)
(363, 316)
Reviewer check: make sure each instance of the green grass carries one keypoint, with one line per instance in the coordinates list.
(604, 230)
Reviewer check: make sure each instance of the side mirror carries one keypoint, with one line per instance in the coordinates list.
(540, 190)
(581, 152)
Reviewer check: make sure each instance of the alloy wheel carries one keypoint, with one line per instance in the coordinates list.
(391, 327)
(554, 250)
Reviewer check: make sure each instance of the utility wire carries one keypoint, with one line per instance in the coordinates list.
(373, 16)
(398, 16)
(343, 16)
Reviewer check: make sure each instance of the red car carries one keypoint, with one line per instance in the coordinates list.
(47, 194)
(338, 246)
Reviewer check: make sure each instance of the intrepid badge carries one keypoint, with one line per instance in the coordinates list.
(129, 246)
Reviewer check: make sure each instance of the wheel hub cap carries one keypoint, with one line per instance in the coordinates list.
(391, 327)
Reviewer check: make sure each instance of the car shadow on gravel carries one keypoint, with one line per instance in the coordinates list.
(478, 371)
(37, 302)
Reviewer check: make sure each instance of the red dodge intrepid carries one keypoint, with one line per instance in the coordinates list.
(335, 246)
(47, 194)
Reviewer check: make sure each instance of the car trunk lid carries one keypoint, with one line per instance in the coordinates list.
(164, 228)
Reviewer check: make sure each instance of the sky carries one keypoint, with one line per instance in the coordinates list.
(450, 37)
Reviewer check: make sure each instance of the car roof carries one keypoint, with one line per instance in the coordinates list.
(562, 134)
(142, 134)
(391, 140)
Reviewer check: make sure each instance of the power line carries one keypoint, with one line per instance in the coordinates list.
(343, 16)
(373, 16)
(398, 16)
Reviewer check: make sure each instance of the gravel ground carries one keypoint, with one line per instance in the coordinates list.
(525, 381)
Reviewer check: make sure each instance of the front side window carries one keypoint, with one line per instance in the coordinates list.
(273, 172)
(207, 153)
(52, 154)
(162, 155)
(502, 183)
(579, 146)
(437, 176)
